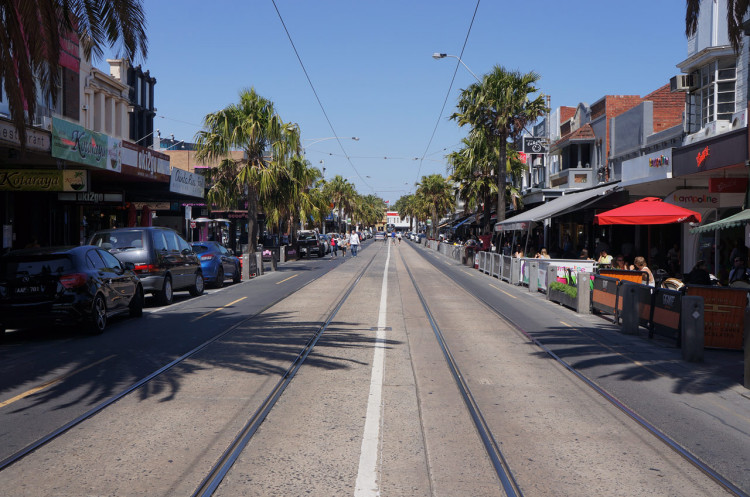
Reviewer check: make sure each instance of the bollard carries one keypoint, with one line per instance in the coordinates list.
(259, 262)
(693, 339)
(246, 273)
(533, 277)
(583, 300)
(551, 276)
(515, 271)
(629, 313)
(274, 264)
(282, 254)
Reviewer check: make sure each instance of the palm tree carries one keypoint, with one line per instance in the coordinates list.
(252, 126)
(736, 12)
(341, 194)
(499, 108)
(369, 210)
(30, 44)
(437, 193)
(472, 168)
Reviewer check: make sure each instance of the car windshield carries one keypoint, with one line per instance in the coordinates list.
(307, 236)
(119, 241)
(34, 265)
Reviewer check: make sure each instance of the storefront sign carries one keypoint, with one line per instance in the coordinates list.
(41, 180)
(144, 162)
(532, 145)
(693, 199)
(90, 197)
(187, 183)
(727, 185)
(154, 206)
(35, 139)
(652, 167)
(727, 149)
(78, 144)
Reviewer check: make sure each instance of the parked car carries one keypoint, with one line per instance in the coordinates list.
(380, 235)
(163, 261)
(217, 263)
(65, 285)
(308, 243)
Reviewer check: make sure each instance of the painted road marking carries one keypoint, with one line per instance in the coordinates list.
(52, 382)
(367, 475)
(287, 279)
(506, 293)
(217, 309)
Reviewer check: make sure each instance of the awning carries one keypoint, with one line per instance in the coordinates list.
(469, 219)
(552, 208)
(739, 219)
(646, 211)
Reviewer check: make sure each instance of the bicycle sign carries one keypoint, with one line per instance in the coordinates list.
(534, 145)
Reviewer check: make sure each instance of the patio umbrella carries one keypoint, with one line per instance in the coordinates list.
(649, 210)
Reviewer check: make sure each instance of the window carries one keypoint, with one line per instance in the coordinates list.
(94, 261)
(172, 242)
(160, 244)
(714, 98)
(111, 262)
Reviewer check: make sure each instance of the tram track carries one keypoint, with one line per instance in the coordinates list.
(610, 398)
(99, 408)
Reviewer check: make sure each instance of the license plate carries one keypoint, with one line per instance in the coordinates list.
(25, 290)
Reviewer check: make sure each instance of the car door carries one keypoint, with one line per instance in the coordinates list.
(105, 282)
(176, 260)
(227, 261)
(123, 284)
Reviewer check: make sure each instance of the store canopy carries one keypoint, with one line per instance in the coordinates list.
(649, 210)
(740, 219)
(469, 219)
(553, 207)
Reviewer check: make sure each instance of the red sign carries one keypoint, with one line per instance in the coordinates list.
(727, 185)
(522, 157)
(702, 156)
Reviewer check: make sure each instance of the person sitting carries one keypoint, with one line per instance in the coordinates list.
(739, 271)
(519, 252)
(619, 263)
(543, 254)
(604, 258)
(584, 255)
(699, 275)
(640, 265)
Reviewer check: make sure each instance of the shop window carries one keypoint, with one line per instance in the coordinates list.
(714, 97)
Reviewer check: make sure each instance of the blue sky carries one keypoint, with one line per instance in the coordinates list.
(370, 63)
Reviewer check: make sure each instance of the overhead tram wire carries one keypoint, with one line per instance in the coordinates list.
(330, 125)
(447, 95)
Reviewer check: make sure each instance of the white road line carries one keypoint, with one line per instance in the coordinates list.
(367, 476)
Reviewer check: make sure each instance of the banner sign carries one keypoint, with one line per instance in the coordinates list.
(41, 180)
(727, 185)
(144, 162)
(78, 144)
(187, 183)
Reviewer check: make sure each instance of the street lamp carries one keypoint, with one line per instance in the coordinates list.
(437, 56)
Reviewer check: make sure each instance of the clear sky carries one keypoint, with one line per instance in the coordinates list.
(371, 66)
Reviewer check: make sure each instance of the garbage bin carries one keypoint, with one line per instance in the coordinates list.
(468, 258)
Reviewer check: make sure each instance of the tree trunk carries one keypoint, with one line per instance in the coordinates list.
(252, 219)
(487, 215)
(502, 172)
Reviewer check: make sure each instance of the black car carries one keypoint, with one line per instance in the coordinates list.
(308, 243)
(163, 261)
(66, 285)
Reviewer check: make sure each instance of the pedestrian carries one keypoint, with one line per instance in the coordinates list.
(343, 243)
(393, 237)
(354, 242)
(334, 247)
(640, 265)
(399, 238)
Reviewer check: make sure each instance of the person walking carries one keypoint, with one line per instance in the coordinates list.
(354, 242)
(334, 247)
(399, 237)
(343, 243)
(393, 237)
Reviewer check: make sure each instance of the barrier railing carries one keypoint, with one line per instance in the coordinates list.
(605, 295)
(665, 314)
(506, 267)
(724, 315)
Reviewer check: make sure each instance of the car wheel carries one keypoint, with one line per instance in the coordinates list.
(98, 315)
(220, 277)
(166, 295)
(197, 288)
(136, 303)
(237, 275)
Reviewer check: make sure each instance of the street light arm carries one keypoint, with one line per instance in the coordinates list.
(438, 55)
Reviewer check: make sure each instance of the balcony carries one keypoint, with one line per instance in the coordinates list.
(578, 177)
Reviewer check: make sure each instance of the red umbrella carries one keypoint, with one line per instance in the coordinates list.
(649, 210)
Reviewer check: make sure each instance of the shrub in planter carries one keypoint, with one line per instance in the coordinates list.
(569, 290)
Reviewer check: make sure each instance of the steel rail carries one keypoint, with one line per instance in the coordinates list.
(211, 482)
(499, 463)
(17, 456)
(653, 430)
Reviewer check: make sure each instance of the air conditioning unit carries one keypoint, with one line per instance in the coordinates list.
(681, 82)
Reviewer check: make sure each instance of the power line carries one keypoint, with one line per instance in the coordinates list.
(442, 109)
(330, 125)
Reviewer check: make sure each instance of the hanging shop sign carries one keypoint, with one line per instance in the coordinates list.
(534, 145)
(35, 139)
(41, 180)
(144, 162)
(77, 144)
(187, 183)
